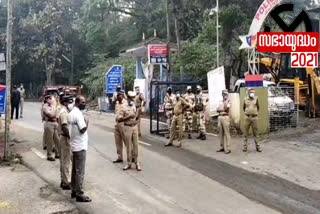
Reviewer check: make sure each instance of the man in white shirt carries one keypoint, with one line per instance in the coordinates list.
(79, 147)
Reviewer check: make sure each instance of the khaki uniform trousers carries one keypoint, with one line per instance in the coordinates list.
(21, 106)
(51, 138)
(65, 159)
(187, 121)
(131, 139)
(139, 109)
(251, 121)
(201, 122)
(177, 120)
(44, 143)
(169, 114)
(224, 131)
(119, 139)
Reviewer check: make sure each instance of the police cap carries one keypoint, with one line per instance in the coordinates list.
(132, 94)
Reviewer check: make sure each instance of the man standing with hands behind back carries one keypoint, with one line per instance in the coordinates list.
(79, 147)
(224, 123)
(251, 110)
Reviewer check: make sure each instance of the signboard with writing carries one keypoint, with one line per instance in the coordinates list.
(216, 83)
(158, 53)
(113, 78)
(2, 99)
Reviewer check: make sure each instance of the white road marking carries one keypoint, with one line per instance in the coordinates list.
(212, 134)
(37, 152)
(244, 162)
(143, 143)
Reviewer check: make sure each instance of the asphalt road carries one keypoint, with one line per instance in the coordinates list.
(172, 181)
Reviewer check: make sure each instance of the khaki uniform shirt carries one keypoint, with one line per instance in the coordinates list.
(119, 108)
(202, 99)
(224, 107)
(168, 101)
(48, 110)
(251, 106)
(179, 106)
(22, 93)
(190, 98)
(127, 111)
(138, 100)
(114, 98)
(63, 118)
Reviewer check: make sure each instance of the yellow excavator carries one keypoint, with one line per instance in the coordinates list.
(304, 81)
(306, 84)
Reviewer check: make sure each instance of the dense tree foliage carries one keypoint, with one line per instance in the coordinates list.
(76, 41)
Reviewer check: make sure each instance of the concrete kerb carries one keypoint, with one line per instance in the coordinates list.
(52, 187)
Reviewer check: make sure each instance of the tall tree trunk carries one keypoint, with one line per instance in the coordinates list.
(72, 66)
(177, 31)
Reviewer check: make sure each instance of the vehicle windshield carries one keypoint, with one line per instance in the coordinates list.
(275, 92)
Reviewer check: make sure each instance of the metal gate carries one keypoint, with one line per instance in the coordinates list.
(283, 113)
(158, 124)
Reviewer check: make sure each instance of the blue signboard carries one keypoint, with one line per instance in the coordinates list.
(2, 99)
(113, 78)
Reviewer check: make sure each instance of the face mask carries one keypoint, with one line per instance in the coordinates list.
(118, 89)
(169, 92)
(131, 103)
(70, 106)
(189, 91)
(198, 91)
(178, 96)
(251, 95)
(82, 107)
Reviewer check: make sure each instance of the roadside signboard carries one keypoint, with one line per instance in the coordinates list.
(2, 99)
(158, 53)
(216, 83)
(2, 62)
(113, 78)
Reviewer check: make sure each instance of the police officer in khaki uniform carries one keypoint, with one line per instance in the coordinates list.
(179, 106)
(119, 126)
(22, 97)
(224, 123)
(51, 129)
(168, 107)
(114, 97)
(200, 109)
(129, 116)
(188, 115)
(251, 109)
(140, 103)
(65, 146)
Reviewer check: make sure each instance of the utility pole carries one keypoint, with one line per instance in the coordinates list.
(8, 78)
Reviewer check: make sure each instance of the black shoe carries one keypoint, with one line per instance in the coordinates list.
(220, 150)
(204, 137)
(189, 136)
(200, 136)
(65, 186)
(118, 161)
(83, 198)
(259, 150)
(57, 157)
(168, 137)
(168, 144)
(73, 195)
(244, 149)
(45, 148)
(51, 159)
